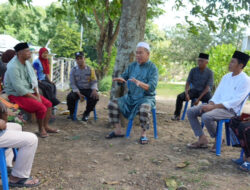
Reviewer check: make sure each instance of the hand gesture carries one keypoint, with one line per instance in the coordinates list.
(119, 79)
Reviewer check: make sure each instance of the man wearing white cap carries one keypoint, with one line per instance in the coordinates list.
(141, 77)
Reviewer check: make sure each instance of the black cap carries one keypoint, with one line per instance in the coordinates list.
(242, 57)
(21, 46)
(79, 54)
(204, 56)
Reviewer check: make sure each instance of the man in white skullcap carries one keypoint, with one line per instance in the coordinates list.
(142, 78)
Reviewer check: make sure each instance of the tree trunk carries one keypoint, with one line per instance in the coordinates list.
(132, 29)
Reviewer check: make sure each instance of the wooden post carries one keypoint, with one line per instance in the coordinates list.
(62, 72)
(51, 66)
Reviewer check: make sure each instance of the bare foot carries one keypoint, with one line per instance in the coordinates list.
(50, 130)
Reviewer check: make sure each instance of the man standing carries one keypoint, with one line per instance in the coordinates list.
(142, 77)
(20, 83)
(83, 83)
(199, 85)
(225, 103)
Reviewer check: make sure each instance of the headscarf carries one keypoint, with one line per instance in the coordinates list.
(45, 62)
(8, 55)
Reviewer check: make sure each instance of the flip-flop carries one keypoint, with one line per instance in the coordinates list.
(197, 146)
(245, 167)
(238, 161)
(113, 135)
(21, 183)
(43, 136)
(143, 140)
(53, 131)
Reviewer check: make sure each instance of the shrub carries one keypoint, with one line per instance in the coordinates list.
(105, 84)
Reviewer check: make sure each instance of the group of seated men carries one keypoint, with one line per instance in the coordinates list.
(141, 77)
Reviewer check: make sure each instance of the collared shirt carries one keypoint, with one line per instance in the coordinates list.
(83, 78)
(39, 69)
(146, 73)
(201, 79)
(19, 79)
(232, 91)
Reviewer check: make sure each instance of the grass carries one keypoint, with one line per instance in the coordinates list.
(167, 90)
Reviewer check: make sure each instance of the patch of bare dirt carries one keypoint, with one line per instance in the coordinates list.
(80, 158)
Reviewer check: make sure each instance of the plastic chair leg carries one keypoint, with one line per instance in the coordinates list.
(75, 111)
(3, 167)
(242, 153)
(227, 133)
(130, 124)
(219, 137)
(155, 123)
(95, 115)
(184, 111)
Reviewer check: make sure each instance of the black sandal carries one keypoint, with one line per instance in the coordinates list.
(22, 183)
(113, 135)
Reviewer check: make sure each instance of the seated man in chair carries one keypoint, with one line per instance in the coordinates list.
(20, 83)
(225, 103)
(201, 79)
(143, 77)
(83, 83)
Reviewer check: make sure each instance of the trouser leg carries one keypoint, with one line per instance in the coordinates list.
(26, 143)
(193, 113)
(72, 97)
(210, 118)
(114, 112)
(144, 114)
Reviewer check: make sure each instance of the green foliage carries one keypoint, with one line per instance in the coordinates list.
(219, 58)
(222, 14)
(185, 46)
(105, 84)
(66, 41)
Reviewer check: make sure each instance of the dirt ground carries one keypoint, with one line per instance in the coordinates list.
(80, 157)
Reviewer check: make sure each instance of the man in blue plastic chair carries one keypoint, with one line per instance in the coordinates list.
(225, 103)
(142, 76)
(202, 81)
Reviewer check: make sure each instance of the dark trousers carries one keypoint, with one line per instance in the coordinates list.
(242, 131)
(49, 91)
(192, 94)
(73, 97)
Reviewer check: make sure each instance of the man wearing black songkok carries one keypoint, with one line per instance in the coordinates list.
(198, 86)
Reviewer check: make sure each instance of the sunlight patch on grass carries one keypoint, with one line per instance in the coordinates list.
(167, 90)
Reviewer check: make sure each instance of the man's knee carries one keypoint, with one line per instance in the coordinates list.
(191, 111)
(206, 117)
(145, 108)
(113, 104)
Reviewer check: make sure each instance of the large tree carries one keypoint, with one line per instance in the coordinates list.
(132, 29)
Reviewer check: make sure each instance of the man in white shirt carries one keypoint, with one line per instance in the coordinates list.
(225, 103)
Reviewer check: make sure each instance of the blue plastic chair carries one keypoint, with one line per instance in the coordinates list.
(3, 167)
(185, 109)
(219, 130)
(130, 125)
(76, 108)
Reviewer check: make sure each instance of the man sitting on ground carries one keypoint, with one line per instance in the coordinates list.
(225, 103)
(142, 76)
(200, 79)
(83, 83)
(20, 83)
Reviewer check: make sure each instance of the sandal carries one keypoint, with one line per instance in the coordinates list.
(43, 135)
(49, 130)
(197, 145)
(245, 167)
(23, 183)
(238, 161)
(143, 140)
(113, 135)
